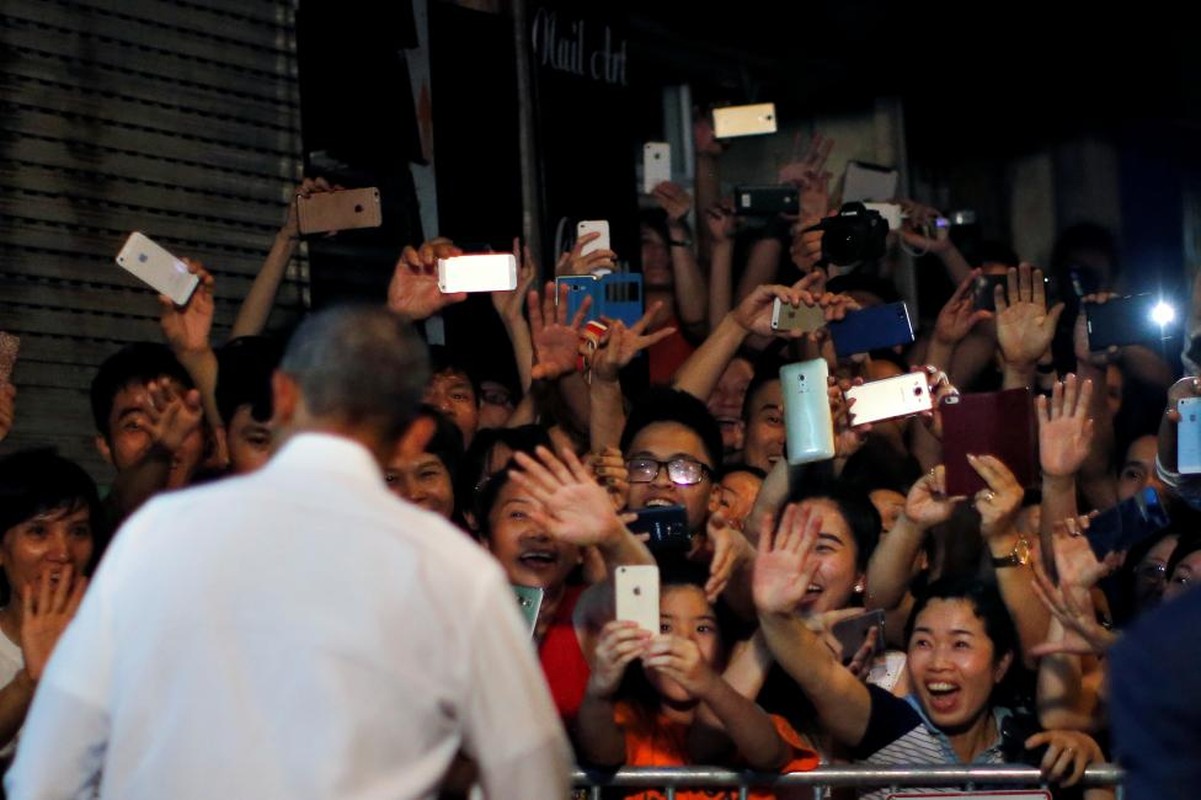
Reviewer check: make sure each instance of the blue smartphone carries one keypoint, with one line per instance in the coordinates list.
(1131, 521)
(872, 329)
(578, 288)
(808, 422)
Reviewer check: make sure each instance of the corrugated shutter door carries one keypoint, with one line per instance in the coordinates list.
(179, 119)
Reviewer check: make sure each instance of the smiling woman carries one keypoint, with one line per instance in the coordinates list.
(49, 510)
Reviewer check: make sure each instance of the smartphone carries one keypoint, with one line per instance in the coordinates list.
(667, 527)
(1129, 522)
(586, 226)
(1188, 436)
(749, 120)
(890, 211)
(984, 291)
(166, 274)
(766, 201)
(864, 183)
(529, 600)
(803, 318)
(325, 212)
(620, 298)
(656, 165)
(999, 424)
(637, 594)
(872, 328)
(850, 633)
(900, 396)
(9, 347)
(483, 272)
(578, 288)
(1129, 320)
(808, 422)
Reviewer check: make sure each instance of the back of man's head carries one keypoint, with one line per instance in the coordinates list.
(359, 366)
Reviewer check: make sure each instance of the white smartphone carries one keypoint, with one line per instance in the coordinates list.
(484, 272)
(808, 422)
(901, 396)
(637, 591)
(803, 318)
(656, 165)
(744, 120)
(163, 272)
(1188, 436)
(600, 226)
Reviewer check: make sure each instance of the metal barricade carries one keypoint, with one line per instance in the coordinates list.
(671, 779)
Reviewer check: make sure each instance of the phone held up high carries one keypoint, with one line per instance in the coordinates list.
(803, 318)
(637, 595)
(481, 272)
(808, 422)
(155, 266)
(345, 209)
(872, 328)
(890, 398)
(656, 165)
(1000, 424)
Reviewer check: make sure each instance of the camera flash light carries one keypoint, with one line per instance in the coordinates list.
(1162, 313)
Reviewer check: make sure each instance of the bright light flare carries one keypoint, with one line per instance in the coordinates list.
(1162, 314)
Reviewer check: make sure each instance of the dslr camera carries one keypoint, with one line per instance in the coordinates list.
(855, 234)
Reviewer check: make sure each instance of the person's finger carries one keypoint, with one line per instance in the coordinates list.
(533, 304)
(575, 467)
(999, 299)
(562, 475)
(1075, 769)
(77, 592)
(45, 594)
(650, 340)
(1085, 398)
(27, 600)
(1062, 765)
(533, 477)
(966, 285)
(1038, 289)
(581, 312)
(786, 530)
(62, 589)
(1058, 393)
(647, 318)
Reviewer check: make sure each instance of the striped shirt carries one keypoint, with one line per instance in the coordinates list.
(900, 734)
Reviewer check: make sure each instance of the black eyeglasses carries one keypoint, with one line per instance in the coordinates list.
(681, 471)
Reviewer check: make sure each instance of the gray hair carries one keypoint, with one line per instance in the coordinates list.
(360, 365)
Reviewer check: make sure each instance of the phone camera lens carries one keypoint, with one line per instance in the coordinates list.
(637, 591)
(358, 209)
(917, 391)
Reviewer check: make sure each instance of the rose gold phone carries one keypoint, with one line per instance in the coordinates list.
(325, 212)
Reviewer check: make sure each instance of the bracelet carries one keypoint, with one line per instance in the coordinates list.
(679, 242)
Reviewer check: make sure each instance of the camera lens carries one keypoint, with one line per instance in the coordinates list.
(358, 209)
(917, 391)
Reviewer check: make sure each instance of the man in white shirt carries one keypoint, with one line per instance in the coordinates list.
(299, 632)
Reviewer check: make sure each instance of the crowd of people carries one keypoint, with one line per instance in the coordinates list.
(998, 613)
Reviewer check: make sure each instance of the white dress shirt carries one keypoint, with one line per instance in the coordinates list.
(295, 633)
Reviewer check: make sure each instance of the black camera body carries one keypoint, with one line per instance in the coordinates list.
(855, 234)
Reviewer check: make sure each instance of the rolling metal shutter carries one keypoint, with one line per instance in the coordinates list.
(178, 118)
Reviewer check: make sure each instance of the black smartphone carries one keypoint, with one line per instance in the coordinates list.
(1140, 319)
(851, 633)
(1129, 522)
(667, 527)
(983, 297)
(872, 329)
(766, 201)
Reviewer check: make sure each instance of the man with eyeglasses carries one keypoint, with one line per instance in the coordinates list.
(672, 446)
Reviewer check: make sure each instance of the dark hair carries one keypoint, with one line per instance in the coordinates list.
(987, 605)
(1083, 236)
(861, 281)
(732, 469)
(656, 220)
(362, 365)
(1124, 605)
(244, 368)
(879, 465)
(137, 363)
(522, 439)
(674, 405)
(767, 369)
(1189, 543)
(856, 508)
(991, 251)
(36, 481)
(486, 498)
(446, 443)
(444, 361)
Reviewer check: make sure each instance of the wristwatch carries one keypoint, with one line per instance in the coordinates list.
(1020, 556)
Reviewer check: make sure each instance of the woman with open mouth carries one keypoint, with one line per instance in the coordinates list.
(961, 643)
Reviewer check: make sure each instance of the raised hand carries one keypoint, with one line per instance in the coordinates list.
(730, 550)
(1070, 601)
(609, 468)
(914, 232)
(707, 144)
(1084, 354)
(574, 262)
(187, 327)
(414, 290)
(171, 417)
(1185, 387)
(509, 304)
(680, 659)
(806, 247)
(1000, 502)
(620, 344)
(1025, 327)
(619, 643)
(784, 567)
(575, 508)
(673, 199)
(928, 504)
(48, 608)
(959, 315)
(809, 175)
(307, 188)
(848, 438)
(940, 387)
(719, 219)
(556, 341)
(1065, 431)
(753, 312)
(8, 408)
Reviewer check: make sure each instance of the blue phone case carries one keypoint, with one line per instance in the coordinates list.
(1128, 523)
(1188, 436)
(621, 296)
(578, 288)
(808, 423)
(872, 329)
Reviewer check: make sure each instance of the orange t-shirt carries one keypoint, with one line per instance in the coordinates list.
(652, 740)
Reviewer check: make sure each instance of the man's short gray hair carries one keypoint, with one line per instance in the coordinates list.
(360, 365)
